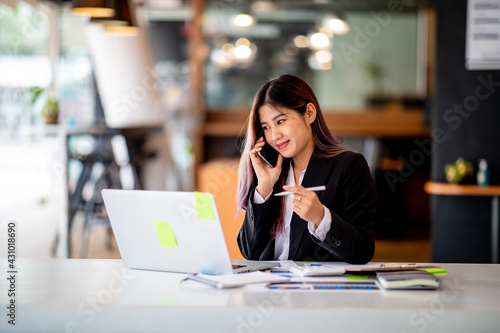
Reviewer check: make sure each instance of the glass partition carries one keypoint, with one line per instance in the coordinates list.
(353, 55)
(24, 62)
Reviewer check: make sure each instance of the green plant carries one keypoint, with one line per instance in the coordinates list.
(458, 171)
(51, 107)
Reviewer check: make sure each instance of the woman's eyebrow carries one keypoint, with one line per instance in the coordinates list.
(274, 118)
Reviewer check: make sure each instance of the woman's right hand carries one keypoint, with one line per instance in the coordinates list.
(266, 175)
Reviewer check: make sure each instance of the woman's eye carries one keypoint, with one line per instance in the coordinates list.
(281, 121)
(265, 128)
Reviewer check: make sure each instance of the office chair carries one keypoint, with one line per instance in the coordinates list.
(107, 166)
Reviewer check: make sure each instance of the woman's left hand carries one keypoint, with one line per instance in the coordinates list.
(306, 204)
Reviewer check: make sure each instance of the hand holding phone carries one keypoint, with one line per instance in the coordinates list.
(267, 163)
(268, 153)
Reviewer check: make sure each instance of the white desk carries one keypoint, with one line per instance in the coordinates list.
(83, 295)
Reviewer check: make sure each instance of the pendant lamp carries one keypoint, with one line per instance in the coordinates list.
(93, 8)
(125, 20)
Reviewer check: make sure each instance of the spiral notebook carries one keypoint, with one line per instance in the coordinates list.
(414, 279)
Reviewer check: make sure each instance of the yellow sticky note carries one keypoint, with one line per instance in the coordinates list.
(204, 210)
(165, 234)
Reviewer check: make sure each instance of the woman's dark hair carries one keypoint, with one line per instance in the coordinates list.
(289, 92)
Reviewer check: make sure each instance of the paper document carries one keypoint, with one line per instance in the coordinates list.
(236, 280)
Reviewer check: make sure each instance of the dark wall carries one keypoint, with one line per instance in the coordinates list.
(168, 41)
(465, 118)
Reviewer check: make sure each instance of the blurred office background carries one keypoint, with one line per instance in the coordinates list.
(156, 97)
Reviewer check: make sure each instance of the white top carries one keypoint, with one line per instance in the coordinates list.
(282, 241)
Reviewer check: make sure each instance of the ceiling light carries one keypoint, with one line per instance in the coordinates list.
(220, 58)
(338, 26)
(242, 52)
(327, 31)
(93, 8)
(242, 41)
(243, 20)
(323, 56)
(319, 40)
(227, 47)
(301, 41)
(316, 65)
(122, 23)
(122, 30)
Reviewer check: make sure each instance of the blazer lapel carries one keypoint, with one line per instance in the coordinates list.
(316, 174)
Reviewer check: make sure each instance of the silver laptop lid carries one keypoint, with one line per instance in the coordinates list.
(168, 231)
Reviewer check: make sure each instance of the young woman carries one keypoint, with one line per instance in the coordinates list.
(331, 225)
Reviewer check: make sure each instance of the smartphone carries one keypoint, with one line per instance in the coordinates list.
(268, 153)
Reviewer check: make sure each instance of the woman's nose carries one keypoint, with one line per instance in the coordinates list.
(275, 135)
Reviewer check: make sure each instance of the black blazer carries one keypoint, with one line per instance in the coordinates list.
(351, 197)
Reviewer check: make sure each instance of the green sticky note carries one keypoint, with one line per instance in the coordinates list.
(165, 234)
(435, 270)
(204, 210)
(357, 278)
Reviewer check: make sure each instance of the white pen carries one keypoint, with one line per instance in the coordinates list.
(314, 188)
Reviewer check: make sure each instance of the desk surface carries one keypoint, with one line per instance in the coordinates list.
(84, 295)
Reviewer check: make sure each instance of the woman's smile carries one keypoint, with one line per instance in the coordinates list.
(282, 145)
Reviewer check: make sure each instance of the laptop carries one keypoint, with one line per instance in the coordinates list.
(172, 231)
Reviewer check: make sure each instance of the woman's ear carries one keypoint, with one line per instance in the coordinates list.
(310, 114)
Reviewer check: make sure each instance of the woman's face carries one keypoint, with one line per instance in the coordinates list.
(287, 131)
